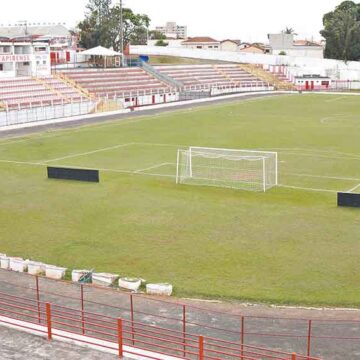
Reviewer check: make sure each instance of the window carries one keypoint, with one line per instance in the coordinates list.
(210, 47)
(216, 47)
(1, 67)
(26, 63)
(325, 83)
(199, 47)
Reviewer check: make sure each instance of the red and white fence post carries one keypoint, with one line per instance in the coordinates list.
(242, 336)
(309, 339)
(48, 321)
(82, 309)
(120, 337)
(201, 348)
(184, 327)
(38, 298)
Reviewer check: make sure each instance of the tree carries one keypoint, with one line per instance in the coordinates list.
(161, 42)
(342, 32)
(101, 26)
(282, 53)
(289, 31)
(156, 35)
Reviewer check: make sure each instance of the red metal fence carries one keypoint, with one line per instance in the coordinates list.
(320, 338)
(119, 333)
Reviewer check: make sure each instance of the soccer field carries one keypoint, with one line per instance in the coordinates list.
(288, 245)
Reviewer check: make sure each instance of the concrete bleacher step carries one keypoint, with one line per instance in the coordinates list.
(267, 77)
(212, 75)
(48, 86)
(108, 82)
(80, 90)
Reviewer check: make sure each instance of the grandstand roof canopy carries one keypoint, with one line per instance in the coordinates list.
(100, 51)
(41, 30)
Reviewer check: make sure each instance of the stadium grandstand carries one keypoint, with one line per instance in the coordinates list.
(32, 90)
(36, 85)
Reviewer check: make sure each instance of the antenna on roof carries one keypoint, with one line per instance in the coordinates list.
(24, 23)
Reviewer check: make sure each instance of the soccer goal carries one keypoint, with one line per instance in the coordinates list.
(238, 169)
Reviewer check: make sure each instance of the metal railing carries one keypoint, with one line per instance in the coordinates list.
(314, 337)
(161, 76)
(126, 336)
(43, 110)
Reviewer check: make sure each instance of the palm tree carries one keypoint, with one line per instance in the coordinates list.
(290, 31)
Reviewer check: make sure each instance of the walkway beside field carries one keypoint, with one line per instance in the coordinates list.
(19, 345)
(145, 111)
(286, 329)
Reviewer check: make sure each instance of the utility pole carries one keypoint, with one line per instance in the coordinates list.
(122, 33)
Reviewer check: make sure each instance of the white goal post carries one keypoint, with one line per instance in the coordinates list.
(239, 169)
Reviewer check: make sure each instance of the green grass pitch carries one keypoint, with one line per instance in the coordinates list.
(289, 245)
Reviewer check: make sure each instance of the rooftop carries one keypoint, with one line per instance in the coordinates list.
(200, 39)
(12, 32)
(305, 43)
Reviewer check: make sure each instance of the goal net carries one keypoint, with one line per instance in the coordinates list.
(238, 169)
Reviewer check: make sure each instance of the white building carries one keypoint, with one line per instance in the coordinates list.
(312, 82)
(286, 45)
(230, 45)
(24, 59)
(172, 30)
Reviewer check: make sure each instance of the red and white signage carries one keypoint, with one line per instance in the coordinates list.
(15, 58)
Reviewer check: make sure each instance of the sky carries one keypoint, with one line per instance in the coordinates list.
(246, 20)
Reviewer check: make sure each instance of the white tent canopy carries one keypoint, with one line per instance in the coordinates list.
(100, 51)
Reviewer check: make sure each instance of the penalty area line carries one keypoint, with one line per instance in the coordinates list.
(88, 153)
(354, 188)
(22, 162)
(152, 167)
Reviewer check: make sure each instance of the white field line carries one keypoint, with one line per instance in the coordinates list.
(141, 172)
(130, 172)
(158, 144)
(321, 176)
(312, 151)
(89, 152)
(332, 117)
(152, 167)
(354, 188)
(336, 99)
(322, 156)
(307, 188)
(24, 138)
(22, 162)
(108, 149)
(158, 175)
(343, 94)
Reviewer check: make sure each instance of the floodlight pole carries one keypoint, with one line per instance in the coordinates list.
(121, 32)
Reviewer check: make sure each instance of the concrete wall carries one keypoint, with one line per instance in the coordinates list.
(303, 51)
(333, 68)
